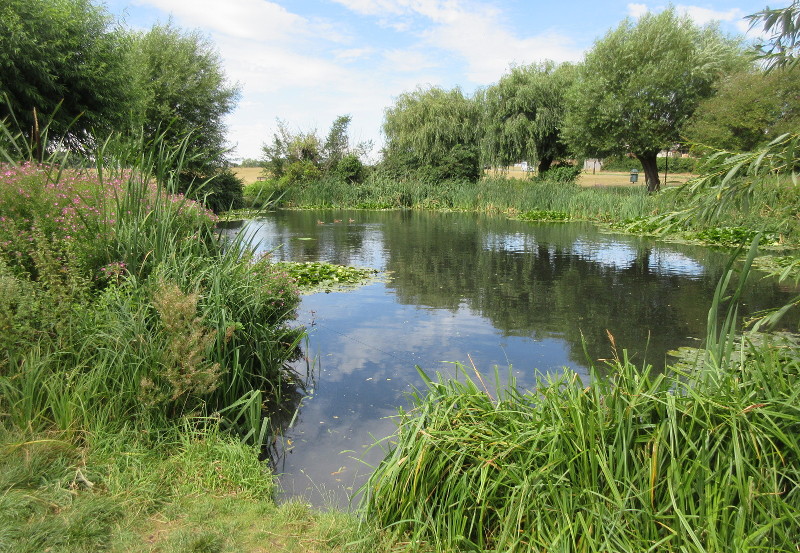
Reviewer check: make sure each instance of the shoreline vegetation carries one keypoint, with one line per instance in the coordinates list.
(115, 287)
(626, 208)
(145, 361)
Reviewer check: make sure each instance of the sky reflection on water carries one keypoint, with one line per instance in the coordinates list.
(471, 289)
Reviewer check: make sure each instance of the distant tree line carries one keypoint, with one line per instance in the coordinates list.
(69, 72)
(646, 86)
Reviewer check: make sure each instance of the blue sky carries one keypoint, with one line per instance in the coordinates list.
(308, 61)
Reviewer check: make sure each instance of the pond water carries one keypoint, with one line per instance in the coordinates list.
(488, 291)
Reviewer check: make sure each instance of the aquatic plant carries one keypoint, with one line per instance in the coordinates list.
(311, 274)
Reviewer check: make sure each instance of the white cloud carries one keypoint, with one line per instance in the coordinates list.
(702, 16)
(249, 19)
(698, 14)
(488, 47)
(410, 60)
(353, 54)
(637, 10)
(475, 32)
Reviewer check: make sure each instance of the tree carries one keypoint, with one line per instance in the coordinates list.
(304, 156)
(63, 59)
(783, 24)
(183, 92)
(640, 84)
(523, 114)
(434, 132)
(750, 109)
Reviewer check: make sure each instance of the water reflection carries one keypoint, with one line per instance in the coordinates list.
(470, 288)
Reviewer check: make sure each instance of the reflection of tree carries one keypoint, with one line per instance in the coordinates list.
(559, 280)
(334, 242)
(552, 289)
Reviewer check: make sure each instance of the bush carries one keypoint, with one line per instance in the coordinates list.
(566, 174)
(221, 192)
(350, 169)
(262, 194)
(300, 172)
(120, 304)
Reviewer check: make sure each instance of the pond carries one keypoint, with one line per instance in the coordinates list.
(478, 290)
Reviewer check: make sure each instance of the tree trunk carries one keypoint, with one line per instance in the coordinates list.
(650, 166)
(544, 164)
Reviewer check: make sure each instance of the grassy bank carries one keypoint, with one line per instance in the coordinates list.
(140, 357)
(639, 462)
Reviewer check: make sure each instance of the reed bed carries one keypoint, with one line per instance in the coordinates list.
(490, 194)
(770, 206)
(638, 461)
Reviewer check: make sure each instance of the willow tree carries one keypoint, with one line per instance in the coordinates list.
(523, 115)
(182, 92)
(782, 29)
(640, 84)
(750, 109)
(435, 133)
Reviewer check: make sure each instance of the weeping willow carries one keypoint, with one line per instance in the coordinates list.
(429, 123)
(523, 114)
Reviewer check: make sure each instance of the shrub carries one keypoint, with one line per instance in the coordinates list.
(303, 171)
(561, 173)
(221, 191)
(350, 169)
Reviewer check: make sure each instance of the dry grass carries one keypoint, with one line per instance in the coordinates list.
(601, 178)
(610, 178)
(248, 174)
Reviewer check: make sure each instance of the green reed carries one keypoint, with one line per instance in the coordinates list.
(770, 206)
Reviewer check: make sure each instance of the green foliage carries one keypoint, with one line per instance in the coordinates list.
(750, 109)
(640, 225)
(641, 82)
(523, 114)
(565, 174)
(539, 215)
(490, 468)
(350, 169)
(312, 274)
(432, 133)
(224, 191)
(263, 194)
(731, 236)
(737, 179)
(458, 164)
(64, 60)
(301, 171)
(783, 26)
(118, 289)
(303, 157)
(182, 93)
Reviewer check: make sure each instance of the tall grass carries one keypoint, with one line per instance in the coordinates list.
(491, 194)
(639, 461)
(121, 306)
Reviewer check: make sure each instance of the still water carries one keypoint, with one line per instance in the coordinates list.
(488, 291)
